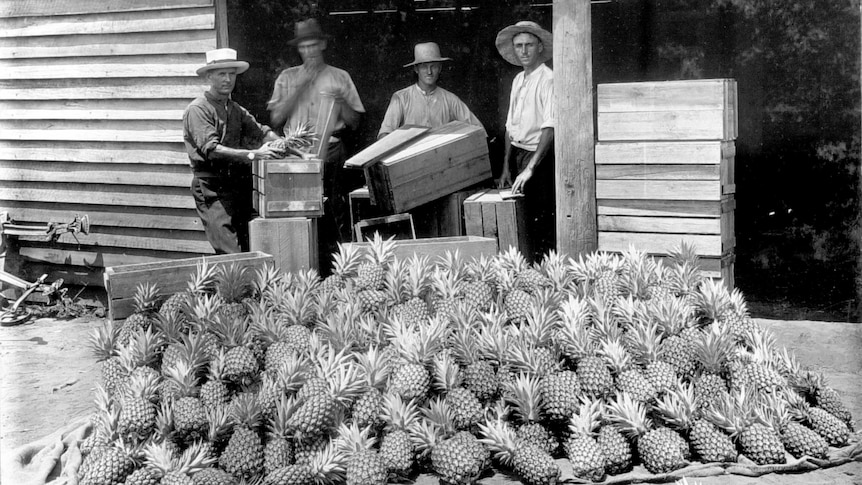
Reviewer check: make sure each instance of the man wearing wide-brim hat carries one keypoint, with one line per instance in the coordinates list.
(529, 139)
(222, 140)
(425, 103)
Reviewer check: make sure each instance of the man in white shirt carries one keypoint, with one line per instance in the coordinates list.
(530, 128)
(425, 103)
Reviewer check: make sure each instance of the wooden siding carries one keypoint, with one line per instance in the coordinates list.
(91, 101)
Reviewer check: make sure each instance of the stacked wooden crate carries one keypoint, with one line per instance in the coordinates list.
(489, 214)
(665, 169)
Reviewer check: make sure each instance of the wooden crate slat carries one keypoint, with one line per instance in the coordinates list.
(705, 245)
(85, 130)
(674, 225)
(288, 188)
(61, 7)
(470, 247)
(172, 276)
(658, 189)
(473, 217)
(95, 258)
(182, 42)
(658, 172)
(135, 196)
(104, 152)
(109, 216)
(111, 88)
(71, 275)
(490, 215)
(98, 68)
(658, 208)
(385, 146)
(200, 18)
(71, 172)
(292, 242)
(664, 152)
(688, 95)
(161, 109)
(664, 125)
(194, 242)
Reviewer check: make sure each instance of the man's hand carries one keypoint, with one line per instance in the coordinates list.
(265, 152)
(306, 75)
(505, 180)
(521, 180)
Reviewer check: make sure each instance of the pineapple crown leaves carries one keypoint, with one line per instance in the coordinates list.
(511, 261)
(327, 360)
(418, 276)
(103, 341)
(263, 322)
(446, 373)
(629, 415)
(643, 339)
(339, 329)
(292, 372)
(143, 348)
(218, 422)
(245, 411)
(451, 263)
(714, 348)
(425, 436)
(525, 397)
(144, 385)
(351, 439)
(203, 310)
(587, 417)
(492, 342)
(327, 467)
(184, 378)
(397, 414)
(733, 412)
(307, 281)
(285, 407)
(501, 439)
(192, 460)
(191, 350)
(380, 251)
(672, 315)
(677, 407)
(345, 261)
(233, 282)
(107, 414)
(554, 267)
(266, 278)
(346, 384)
(375, 367)
(712, 299)
(530, 359)
(773, 413)
(617, 356)
(446, 285)
(231, 332)
(438, 411)
(686, 279)
(146, 297)
(480, 269)
(203, 278)
(685, 253)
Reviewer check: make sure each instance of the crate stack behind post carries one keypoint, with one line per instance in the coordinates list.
(288, 196)
(665, 169)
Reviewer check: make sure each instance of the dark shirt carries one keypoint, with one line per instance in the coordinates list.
(208, 122)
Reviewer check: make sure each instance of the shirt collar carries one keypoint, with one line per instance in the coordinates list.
(426, 93)
(215, 100)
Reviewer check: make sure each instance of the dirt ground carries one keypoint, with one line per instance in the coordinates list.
(48, 374)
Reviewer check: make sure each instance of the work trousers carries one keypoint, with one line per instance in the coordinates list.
(540, 202)
(224, 205)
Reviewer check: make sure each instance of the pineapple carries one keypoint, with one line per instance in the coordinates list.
(176, 470)
(615, 446)
(103, 342)
(316, 414)
(797, 439)
(628, 378)
(218, 426)
(593, 374)
(396, 446)
(816, 388)
(760, 373)
(138, 414)
(559, 395)
(233, 284)
(446, 286)
(278, 451)
(110, 466)
(643, 339)
(188, 411)
(372, 271)
(602, 275)
(215, 392)
(532, 464)
(375, 371)
(516, 302)
(466, 408)
(584, 453)
(675, 319)
(345, 264)
(479, 375)
(412, 380)
(364, 464)
(201, 281)
(737, 414)
(658, 448)
(679, 410)
(240, 363)
(417, 284)
(478, 289)
(526, 400)
(146, 306)
(712, 351)
(243, 456)
(325, 466)
(832, 429)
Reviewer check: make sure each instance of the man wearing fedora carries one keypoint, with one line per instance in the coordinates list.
(529, 145)
(425, 103)
(222, 139)
(296, 100)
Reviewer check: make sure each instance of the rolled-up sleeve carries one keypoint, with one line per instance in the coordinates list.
(200, 127)
(251, 129)
(547, 99)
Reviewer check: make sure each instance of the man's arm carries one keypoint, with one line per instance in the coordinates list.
(393, 119)
(506, 173)
(545, 142)
(286, 93)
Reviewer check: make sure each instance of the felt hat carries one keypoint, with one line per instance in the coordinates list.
(507, 50)
(426, 52)
(305, 30)
(222, 59)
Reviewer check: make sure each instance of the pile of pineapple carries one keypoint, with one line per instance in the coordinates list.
(390, 368)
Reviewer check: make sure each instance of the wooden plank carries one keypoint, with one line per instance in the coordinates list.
(173, 276)
(178, 241)
(71, 275)
(658, 189)
(659, 208)
(470, 247)
(665, 125)
(688, 95)
(664, 153)
(658, 172)
(675, 225)
(182, 42)
(127, 195)
(71, 172)
(118, 152)
(162, 66)
(201, 18)
(145, 88)
(96, 258)
(385, 146)
(94, 109)
(222, 35)
(288, 188)
(292, 242)
(29, 8)
(109, 216)
(96, 130)
(507, 226)
(473, 218)
(706, 245)
(489, 221)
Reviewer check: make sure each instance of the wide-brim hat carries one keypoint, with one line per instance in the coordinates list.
(507, 50)
(305, 30)
(222, 59)
(426, 52)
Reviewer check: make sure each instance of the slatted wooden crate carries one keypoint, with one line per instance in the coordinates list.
(487, 214)
(670, 110)
(469, 247)
(291, 187)
(121, 282)
(442, 161)
(291, 241)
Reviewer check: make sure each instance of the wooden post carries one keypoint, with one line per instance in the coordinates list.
(574, 138)
(221, 23)
(858, 316)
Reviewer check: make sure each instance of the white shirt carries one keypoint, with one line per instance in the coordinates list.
(531, 107)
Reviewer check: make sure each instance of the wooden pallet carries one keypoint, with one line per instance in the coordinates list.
(487, 214)
(292, 242)
(121, 282)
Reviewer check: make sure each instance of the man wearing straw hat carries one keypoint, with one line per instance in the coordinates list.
(425, 103)
(297, 98)
(529, 148)
(222, 140)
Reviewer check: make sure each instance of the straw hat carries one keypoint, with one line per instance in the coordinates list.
(222, 59)
(507, 50)
(426, 52)
(306, 30)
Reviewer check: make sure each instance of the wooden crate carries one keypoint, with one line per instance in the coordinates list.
(361, 207)
(487, 214)
(670, 110)
(470, 247)
(292, 242)
(121, 282)
(291, 187)
(398, 226)
(442, 161)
